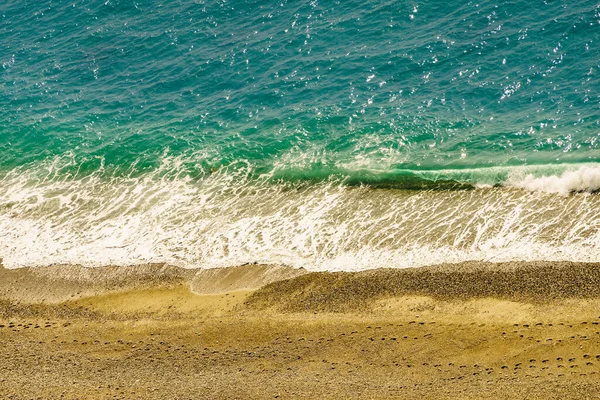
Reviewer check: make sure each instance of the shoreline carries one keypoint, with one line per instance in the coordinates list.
(449, 331)
(530, 281)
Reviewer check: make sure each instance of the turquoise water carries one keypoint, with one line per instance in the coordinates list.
(330, 135)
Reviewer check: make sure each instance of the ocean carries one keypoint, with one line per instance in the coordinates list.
(329, 135)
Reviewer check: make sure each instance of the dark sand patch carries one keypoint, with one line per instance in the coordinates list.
(346, 291)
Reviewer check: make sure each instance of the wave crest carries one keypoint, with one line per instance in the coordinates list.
(583, 179)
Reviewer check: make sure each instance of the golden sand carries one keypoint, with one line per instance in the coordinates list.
(455, 331)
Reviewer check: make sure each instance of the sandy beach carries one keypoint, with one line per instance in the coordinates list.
(472, 330)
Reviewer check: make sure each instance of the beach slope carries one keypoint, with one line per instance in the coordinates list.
(471, 330)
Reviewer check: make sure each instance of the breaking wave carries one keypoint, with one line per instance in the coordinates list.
(231, 216)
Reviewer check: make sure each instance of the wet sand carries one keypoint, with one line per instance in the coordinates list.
(473, 330)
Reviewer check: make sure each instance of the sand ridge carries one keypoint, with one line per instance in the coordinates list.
(58, 283)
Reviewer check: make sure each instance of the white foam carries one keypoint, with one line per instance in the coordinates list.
(227, 219)
(583, 179)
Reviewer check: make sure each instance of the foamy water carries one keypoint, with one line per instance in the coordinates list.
(581, 179)
(227, 219)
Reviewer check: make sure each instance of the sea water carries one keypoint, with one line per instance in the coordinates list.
(330, 135)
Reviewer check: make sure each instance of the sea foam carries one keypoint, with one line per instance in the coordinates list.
(228, 218)
(582, 179)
